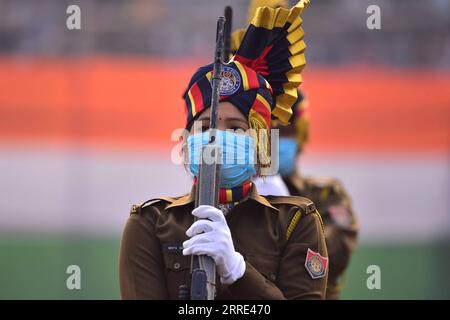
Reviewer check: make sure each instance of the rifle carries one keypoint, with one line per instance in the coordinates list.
(203, 268)
(227, 33)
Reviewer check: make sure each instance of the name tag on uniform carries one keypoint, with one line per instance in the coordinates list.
(172, 248)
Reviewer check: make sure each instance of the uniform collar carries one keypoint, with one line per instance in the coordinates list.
(252, 194)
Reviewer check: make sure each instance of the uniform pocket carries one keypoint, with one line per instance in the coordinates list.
(267, 265)
(177, 263)
(177, 272)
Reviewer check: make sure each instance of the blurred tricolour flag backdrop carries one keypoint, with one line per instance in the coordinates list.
(87, 117)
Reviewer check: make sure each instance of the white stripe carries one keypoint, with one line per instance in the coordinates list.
(396, 198)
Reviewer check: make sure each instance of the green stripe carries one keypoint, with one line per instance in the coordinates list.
(34, 267)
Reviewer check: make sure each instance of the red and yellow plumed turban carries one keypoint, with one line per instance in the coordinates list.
(262, 78)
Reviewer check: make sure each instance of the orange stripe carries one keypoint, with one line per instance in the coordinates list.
(103, 103)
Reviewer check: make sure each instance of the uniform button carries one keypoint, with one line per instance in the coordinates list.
(273, 277)
(176, 265)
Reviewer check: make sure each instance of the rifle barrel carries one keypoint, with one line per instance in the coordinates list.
(216, 77)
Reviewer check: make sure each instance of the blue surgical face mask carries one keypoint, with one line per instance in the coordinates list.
(288, 150)
(238, 156)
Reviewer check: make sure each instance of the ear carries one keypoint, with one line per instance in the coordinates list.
(184, 151)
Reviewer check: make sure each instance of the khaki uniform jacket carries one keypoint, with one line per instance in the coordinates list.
(341, 227)
(272, 233)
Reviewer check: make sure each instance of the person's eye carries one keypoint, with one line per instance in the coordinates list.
(239, 130)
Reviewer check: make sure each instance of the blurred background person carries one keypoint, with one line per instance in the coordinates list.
(77, 147)
(328, 194)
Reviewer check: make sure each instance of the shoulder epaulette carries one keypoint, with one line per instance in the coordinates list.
(136, 208)
(327, 185)
(306, 204)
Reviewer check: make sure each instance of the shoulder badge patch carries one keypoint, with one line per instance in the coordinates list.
(315, 264)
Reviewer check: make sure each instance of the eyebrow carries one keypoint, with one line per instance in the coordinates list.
(206, 118)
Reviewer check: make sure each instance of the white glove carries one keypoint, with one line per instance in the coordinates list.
(213, 238)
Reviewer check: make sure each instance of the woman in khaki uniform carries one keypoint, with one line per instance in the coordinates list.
(263, 247)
